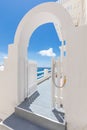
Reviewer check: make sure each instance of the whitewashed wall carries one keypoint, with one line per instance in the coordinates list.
(9, 88)
(75, 92)
(77, 10)
(8, 84)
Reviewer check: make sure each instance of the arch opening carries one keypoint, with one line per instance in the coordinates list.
(51, 13)
(28, 91)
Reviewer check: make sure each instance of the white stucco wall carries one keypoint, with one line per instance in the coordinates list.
(8, 84)
(32, 20)
(77, 10)
(75, 92)
(9, 89)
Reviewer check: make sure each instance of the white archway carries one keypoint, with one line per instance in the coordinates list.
(13, 80)
(44, 13)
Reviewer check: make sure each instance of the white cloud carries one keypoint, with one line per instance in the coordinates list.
(48, 52)
(2, 56)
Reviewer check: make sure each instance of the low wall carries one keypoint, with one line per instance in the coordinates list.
(8, 84)
(11, 94)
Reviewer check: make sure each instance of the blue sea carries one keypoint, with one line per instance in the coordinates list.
(40, 71)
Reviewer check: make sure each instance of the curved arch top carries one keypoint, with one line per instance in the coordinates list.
(44, 13)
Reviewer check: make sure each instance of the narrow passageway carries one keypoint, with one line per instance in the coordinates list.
(40, 102)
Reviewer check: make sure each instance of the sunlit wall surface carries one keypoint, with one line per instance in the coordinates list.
(77, 10)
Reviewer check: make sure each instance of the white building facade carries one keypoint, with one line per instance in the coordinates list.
(77, 9)
(13, 77)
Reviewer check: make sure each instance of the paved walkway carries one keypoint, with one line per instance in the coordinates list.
(40, 102)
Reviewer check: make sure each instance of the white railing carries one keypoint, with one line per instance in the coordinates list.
(45, 75)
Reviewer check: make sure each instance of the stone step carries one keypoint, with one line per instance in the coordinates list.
(48, 113)
(42, 121)
(15, 122)
(4, 127)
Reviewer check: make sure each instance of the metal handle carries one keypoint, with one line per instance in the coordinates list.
(53, 78)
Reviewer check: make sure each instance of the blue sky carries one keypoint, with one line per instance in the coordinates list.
(43, 38)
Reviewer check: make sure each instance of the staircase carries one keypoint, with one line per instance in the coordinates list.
(36, 113)
(25, 120)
